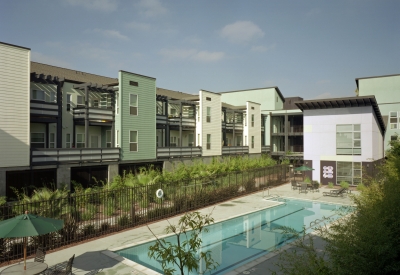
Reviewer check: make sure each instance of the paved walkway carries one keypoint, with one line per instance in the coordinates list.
(91, 258)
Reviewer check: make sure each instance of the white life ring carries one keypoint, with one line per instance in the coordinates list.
(159, 193)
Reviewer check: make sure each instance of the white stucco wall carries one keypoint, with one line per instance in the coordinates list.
(320, 135)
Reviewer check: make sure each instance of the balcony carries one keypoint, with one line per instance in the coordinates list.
(94, 113)
(296, 130)
(234, 150)
(231, 125)
(161, 119)
(41, 108)
(265, 149)
(48, 156)
(176, 152)
(187, 121)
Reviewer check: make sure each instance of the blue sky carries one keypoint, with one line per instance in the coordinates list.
(313, 49)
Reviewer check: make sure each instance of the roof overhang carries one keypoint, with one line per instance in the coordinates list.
(96, 87)
(344, 102)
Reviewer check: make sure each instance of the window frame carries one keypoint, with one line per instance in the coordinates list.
(131, 105)
(208, 147)
(252, 142)
(108, 142)
(394, 125)
(77, 101)
(208, 116)
(67, 140)
(83, 142)
(252, 120)
(37, 90)
(353, 170)
(52, 136)
(355, 150)
(133, 142)
(34, 142)
(69, 97)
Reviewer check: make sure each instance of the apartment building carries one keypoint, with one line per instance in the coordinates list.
(70, 126)
(386, 89)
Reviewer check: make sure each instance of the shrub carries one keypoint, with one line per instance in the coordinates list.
(160, 212)
(307, 179)
(361, 187)
(89, 212)
(109, 207)
(344, 184)
(88, 230)
(105, 226)
(123, 220)
(330, 184)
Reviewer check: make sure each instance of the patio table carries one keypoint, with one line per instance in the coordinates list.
(31, 269)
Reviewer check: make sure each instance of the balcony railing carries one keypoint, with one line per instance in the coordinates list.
(187, 121)
(42, 108)
(47, 156)
(231, 150)
(265, 149)
(297, 129)
(175, 152)
(161, 119)
(296, 148)
(229, 126)
(94, 113)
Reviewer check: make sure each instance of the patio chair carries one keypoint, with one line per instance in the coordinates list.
(67, 270)
(303, 188)
(294, 185)
(40, 254)
(335, 193)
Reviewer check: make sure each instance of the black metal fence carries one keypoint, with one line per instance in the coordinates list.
(93, 214)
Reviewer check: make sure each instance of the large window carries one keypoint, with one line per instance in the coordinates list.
(348, 139)
(80, 101)
(208, 114)
(394, 120)
(80, 140)
(37, 140)
(350, 172)
(208, 141)
(133, 141)
(38, 95)
(252, 120)
(133, 103)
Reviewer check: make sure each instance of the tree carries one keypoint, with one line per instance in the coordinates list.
(366, 241)
(185, 254)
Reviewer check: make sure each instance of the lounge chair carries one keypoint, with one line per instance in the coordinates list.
(40, 254)
(67, 270)
(303, 187)
(335, 193)
(294, 184)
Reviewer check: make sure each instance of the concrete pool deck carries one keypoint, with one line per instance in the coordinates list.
(93, 257)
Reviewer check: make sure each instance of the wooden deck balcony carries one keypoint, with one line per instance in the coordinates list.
(49, 156)
(234, 150)
(176, 152)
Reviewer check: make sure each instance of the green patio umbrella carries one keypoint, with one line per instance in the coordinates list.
(28, 225)
(303, 168)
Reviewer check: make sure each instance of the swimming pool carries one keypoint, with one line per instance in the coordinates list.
(236, 241)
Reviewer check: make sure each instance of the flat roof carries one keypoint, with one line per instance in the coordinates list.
(273, 87)
(343, 102)
(379, 76)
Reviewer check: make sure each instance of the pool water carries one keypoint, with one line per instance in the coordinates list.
(239, 240)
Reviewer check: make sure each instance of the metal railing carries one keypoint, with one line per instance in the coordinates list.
(38, 107)
(94, 113)
(46, 156)
(173, 152)
(231, 150)
(92, 214)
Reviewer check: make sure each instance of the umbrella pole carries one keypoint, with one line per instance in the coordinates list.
(24, 253)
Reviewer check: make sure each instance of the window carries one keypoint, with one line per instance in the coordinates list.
(252, 108)
(134, 83)
(133, 141)
(69, 102)
(252, 141)
(173, 112)
(393, 120)
(350, 172)
(68, 140)
(80, 101)
(37, 140)
(133, 103)
(208, 98)
(393, 138)
(52, 140)
(80, 140)
(117, 139)
(108, 138)
(38, 95)
(239, 141)
(348, 139)
(208, 114)
(95, 103)
(105, 102)
(191, 142)
(277, 99)
(252, 120)
(53, 97)
(208, 141)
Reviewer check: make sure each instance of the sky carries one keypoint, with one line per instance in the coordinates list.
(312, 49)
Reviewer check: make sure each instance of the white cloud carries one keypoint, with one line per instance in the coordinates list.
(98, 5)
(50, 60)
(261, 49)
(139, 26)
(241, 32)
(323, 96)
(191, 54)
(151, 8)
(111, 34)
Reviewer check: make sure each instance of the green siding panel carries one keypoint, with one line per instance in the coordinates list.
(144, 122)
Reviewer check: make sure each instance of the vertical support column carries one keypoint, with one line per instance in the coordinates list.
(167, 125)
(59, 117)
(113, 121)
(64, 177)
(180, 126)
(233, 129)
(73, 134)
(271, 145)
(86, 117)
(224, 130)
(286, 128)
(47, 136)
(112, 171)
